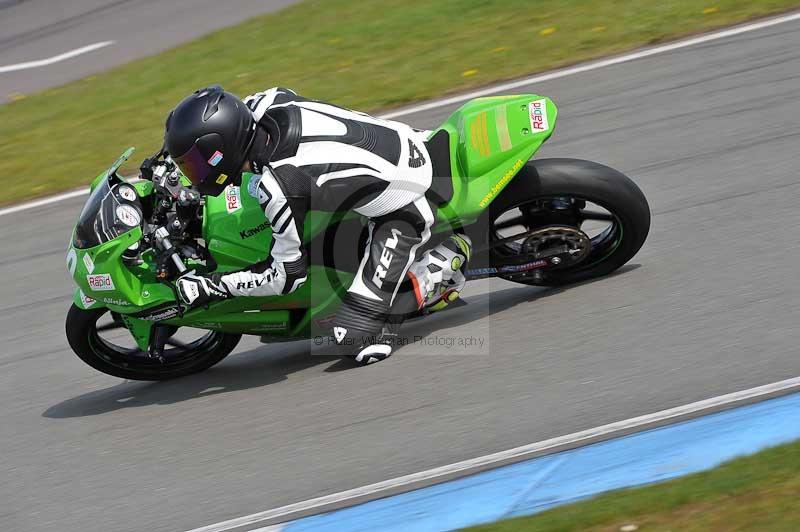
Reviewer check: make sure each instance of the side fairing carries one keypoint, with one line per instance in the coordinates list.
(237, 231)
(235, 228)
(238, 235)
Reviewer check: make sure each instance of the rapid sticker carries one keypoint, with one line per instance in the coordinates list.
(233, 199)
(100, 282)
(538, 115)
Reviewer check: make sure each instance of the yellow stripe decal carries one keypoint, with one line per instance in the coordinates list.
(473, 133)
(485, 131)
(479, 135)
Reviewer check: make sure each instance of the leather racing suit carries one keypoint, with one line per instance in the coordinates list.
(313, 155)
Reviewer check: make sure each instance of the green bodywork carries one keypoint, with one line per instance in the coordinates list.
(490, 140)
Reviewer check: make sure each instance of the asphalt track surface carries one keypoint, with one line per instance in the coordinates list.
(38, 29)
(709, 306)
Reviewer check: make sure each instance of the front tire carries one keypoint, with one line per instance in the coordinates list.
(127, 363)
(581, 181)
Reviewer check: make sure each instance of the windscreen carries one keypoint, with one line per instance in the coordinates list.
(109, 212)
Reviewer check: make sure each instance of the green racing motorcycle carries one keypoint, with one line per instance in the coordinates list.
(540, 222)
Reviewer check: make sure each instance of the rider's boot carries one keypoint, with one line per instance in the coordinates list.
(438, 276)
(437, 279)
(365, 348)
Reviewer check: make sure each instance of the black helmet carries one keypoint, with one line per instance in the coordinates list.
(209, 135)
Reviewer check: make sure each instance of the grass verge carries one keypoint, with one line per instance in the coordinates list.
(758, 492)
(365, 54)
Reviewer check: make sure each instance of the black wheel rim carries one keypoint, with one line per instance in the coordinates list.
(177, 353)
(569, 210)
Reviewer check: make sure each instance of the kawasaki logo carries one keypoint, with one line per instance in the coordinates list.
(161, 314)
(253, 231)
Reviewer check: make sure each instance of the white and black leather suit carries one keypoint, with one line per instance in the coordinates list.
(322, 157)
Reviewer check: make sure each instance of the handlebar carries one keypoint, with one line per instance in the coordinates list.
(176, 211)
(163, 242)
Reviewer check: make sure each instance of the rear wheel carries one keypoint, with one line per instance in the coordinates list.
(593, 215)
(100, 339)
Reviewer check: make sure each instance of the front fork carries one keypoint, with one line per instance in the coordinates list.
(152, 336)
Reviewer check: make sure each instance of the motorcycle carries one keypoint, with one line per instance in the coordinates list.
(545, 222)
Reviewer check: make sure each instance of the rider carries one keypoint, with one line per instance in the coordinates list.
(312, 155)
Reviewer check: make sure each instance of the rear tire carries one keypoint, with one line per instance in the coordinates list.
(594, 182)
(84, 340)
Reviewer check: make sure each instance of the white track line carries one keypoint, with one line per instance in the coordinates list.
(56, 58)
(570, 440)
(594, 65)
(44, 201)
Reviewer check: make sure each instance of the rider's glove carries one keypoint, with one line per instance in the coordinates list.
(196, 290)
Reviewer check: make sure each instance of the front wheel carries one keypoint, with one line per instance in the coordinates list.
(99, 338)
(595, 213)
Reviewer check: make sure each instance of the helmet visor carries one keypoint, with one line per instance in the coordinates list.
(200, 171)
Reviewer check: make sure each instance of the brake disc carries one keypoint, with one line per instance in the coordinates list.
(562, 246)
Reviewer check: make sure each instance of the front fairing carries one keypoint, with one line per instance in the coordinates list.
(102, 277)
(110, 224)
(237, 235)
